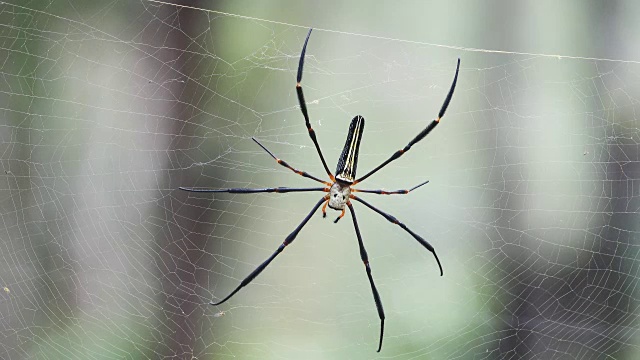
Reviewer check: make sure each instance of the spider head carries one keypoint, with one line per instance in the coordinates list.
(339, 195)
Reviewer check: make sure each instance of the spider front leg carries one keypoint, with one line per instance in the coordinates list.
(393, 220)
(266, 263)
(365, 260)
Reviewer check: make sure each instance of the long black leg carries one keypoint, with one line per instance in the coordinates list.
(422, 134)
(392, 219)
(365, 260)
(384, 192)
(303, 106)
(262, 266)
(283, 163)
(252, 191)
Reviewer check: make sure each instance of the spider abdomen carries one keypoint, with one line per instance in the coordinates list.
(348, 161)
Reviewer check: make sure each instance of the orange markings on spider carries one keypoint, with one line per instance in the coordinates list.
(324, 208)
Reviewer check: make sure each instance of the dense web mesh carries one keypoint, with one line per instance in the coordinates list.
(107, 108)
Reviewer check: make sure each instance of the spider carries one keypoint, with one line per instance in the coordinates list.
(340, 189)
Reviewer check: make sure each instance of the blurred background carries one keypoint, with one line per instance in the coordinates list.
(106, 108)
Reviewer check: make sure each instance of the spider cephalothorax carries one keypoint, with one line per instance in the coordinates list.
(339, 194)
(339, 189)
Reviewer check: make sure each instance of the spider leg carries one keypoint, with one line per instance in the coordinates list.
(324, 209)
(252, 191)
(384, 192)
(365, 260)
(339, 216)
(392, 219)
(284, 163)
(303, 106)
(289, 239)
(422, 134)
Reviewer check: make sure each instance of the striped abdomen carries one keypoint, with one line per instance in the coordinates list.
(346, 170)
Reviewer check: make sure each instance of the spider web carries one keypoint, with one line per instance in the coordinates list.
(109, 107)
